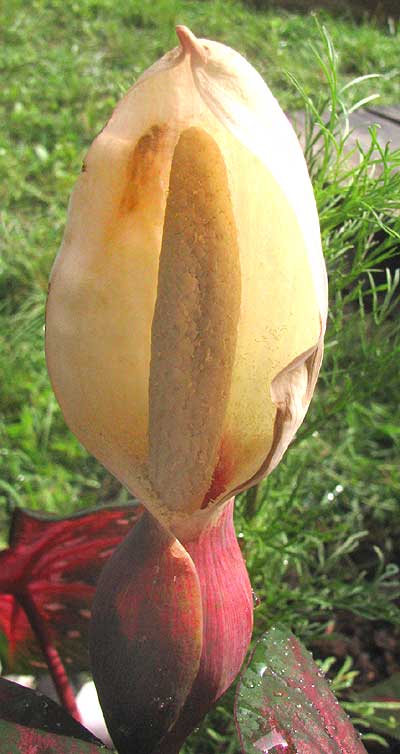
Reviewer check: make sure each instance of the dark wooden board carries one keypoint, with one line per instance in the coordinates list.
(388, 130)
(385, 117)
(388, 112)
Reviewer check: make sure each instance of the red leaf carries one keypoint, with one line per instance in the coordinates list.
(52, 565)
(33, 710)
(16, 739)
(284, 704)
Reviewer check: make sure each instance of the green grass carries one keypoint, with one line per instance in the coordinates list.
(321, 534)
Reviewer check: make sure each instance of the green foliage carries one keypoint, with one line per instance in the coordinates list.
(320, 535)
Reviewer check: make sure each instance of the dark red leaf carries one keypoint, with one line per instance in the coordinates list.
(284, 704)
(34, 710)
(16, 739)
(52, 565)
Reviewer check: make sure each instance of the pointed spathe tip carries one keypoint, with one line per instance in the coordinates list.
(190, 44)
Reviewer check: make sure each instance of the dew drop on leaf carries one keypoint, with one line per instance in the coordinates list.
(270, 741)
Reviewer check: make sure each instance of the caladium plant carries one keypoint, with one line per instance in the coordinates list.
(48, 576)
(284, 704)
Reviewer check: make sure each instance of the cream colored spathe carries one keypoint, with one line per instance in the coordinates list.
(187, 304)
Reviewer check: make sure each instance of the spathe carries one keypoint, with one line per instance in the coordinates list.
(187, 305)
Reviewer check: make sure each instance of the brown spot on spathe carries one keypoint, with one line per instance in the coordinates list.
(142, 168)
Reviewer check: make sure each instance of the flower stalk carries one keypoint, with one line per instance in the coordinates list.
(185, 327)
(54, 663)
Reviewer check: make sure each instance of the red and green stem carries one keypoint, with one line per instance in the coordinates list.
(50, 653)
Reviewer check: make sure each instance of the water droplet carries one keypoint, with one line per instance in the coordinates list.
(72, 634)
(106, 553)
(270, 741)
(38, 664)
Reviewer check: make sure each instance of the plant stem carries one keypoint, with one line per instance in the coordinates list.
(53, 659)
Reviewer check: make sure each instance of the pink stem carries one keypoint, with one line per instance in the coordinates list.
(53, 659)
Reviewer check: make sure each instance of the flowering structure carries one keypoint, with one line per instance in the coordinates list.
(185, 324)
